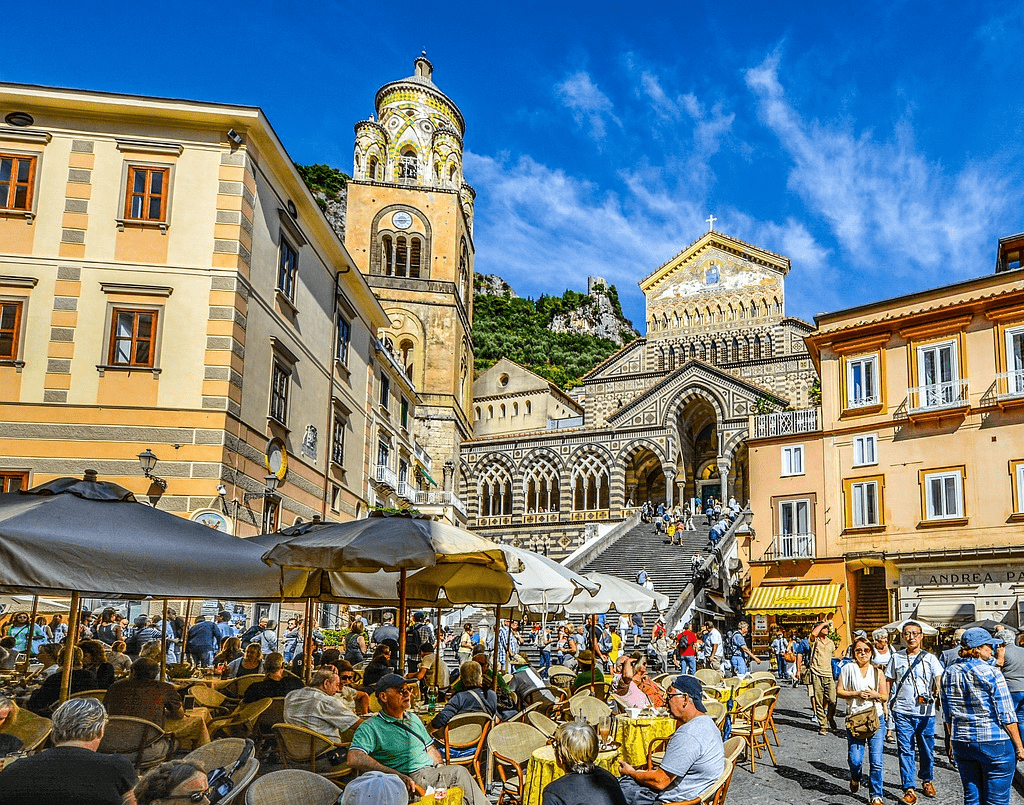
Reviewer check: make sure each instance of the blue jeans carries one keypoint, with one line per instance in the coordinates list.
(1018, 705)
(855, 757)
(986, 771)
(288, 656)
(915, 739)
(739, 664)
(689, 664)
(545, 662)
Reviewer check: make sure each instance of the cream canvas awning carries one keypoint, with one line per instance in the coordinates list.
(794, 598)
(945, 613)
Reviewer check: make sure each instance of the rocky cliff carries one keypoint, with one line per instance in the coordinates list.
(598, 314)
(492, 285)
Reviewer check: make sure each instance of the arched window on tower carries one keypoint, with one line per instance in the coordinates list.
(529, 408)
(478, 413)
(387, 255)
(515, 409)
(542, 489)
(415, 256)
(714, 352)
(453, 173)
(501, 410)
(757, 347)
(464, 284)
(407, 168)
(743, 312)
(494, 492)
(490, 412)
(371, 168)
(590, 484)
(406, 356)
(735, 349)
(401, 256)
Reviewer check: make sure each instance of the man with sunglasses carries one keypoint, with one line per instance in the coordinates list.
(318, 707)
(694, 757)
(914, 675)
(395, 741)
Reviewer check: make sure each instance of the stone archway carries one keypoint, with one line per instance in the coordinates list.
(645, 477)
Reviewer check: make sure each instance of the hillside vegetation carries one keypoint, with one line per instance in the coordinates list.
(508, 327)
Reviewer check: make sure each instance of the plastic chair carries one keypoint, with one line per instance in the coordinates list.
(33, 730)
(306, 747)
(225, 752)
(467, 731)
(242, 722)
(292, 787)
(512, 745)
(144, 743)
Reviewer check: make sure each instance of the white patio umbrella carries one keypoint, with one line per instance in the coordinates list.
(897, 626)
(623, 596)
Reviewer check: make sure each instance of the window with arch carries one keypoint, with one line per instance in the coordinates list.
(494, 492)
(478, 413)
(542, 487)
(371, 168)
(464, 284)
(735, 349)
(501, 409)
(714, 352)
(529, 408)
(693, 353)
(703, 352)
(408, 166)
(743, 311)
(401, 255)
(490, 412)
(757, 347)
(590, 483)
(453, 173)
(671, 359)
(515, 409)
(406, 356)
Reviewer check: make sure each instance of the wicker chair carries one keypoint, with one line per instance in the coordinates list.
(715, 793)
(235, 689)
(213, 700)
(734, 748)
(33, 730)
(512, 745)
(224, 753)
(541, 722)
(86, 694)
(467, 731)
(292, 787)
(709, 676)
(599, 690)
(751, 724)
(589, 707)
(144, 743)
(300, 746)
(758, 675)
(242, 722)
(561, 677)
(264, 727)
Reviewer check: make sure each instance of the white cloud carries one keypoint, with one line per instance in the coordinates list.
(893, 212)
(590, 107)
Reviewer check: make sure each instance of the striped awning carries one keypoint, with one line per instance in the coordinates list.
(794, 598)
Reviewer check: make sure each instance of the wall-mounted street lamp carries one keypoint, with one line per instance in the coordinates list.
(147, 460)
(270, 484)
(269, 495)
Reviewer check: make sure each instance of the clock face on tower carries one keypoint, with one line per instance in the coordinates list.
(401, 220)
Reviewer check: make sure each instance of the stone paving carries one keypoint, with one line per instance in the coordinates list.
(812, 768)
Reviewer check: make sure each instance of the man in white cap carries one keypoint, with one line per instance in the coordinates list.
(375, 788)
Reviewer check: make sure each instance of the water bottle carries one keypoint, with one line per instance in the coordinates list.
(432, 700)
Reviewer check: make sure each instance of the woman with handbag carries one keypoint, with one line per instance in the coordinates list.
(865, 689)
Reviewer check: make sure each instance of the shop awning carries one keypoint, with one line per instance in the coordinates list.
(720, 602)
(426, 475)
(794, 598)
(944, 613)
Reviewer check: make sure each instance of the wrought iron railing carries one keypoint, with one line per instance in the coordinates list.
(786, 423)
(383, 474)
(936, 396)
(791, 546)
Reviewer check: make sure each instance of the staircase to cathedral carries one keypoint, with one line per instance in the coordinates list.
(872, 609)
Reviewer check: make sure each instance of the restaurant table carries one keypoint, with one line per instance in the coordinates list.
(542, 769)
(636, 735)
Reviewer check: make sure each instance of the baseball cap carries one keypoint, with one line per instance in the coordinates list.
(375, 788)
(389, 681)
(692, 687)
(979, 637)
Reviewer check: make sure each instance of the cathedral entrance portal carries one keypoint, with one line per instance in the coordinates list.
(645, 478)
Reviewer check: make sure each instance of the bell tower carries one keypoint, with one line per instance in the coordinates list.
(410, 230)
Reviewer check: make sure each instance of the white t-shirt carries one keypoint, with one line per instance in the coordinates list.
(851, 679)
(714, 638)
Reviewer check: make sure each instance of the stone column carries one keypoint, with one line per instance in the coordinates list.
(723, 470)
(449, 475)
(670, 488)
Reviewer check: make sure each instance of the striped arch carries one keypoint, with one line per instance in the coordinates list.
(541, 479)
(626, 485)
(495, 493)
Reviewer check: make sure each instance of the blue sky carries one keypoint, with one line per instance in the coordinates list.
(878, 145)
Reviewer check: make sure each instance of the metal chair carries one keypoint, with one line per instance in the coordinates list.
(292, 787)
(225, 752)
(512, 745)
(242, 722)
(306, 747)
(467, 731)
(144, 743)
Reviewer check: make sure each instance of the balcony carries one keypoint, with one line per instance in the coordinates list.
(785, 423)
(437, 498)
(407, 491)
(383, 474)
(791, 546)
(938, 399)
(1010, 388)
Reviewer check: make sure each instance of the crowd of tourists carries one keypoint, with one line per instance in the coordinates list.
(674, 521)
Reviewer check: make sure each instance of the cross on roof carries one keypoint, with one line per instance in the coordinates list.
(711, 222)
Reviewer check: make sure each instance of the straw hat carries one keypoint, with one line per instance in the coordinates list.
(586, 658)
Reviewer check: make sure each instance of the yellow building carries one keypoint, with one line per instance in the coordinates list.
(903, 494)
(170, 287)
(409, 228)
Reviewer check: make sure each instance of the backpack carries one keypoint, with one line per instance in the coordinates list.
(413, 640)
(683, 644)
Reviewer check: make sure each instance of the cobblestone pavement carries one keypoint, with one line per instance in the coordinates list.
(812, 768)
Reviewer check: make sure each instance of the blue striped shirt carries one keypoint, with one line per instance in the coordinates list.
(976, 702)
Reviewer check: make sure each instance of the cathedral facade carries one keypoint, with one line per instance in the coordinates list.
(665, 419)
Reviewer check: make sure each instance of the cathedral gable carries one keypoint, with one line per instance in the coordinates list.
(627, 361)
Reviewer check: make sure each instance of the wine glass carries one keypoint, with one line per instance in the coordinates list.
(603, 728)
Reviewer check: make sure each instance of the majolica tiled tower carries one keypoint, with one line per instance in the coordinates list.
(410, 230)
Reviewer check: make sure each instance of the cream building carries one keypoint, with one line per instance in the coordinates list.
(168, 284)
(904, 494)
